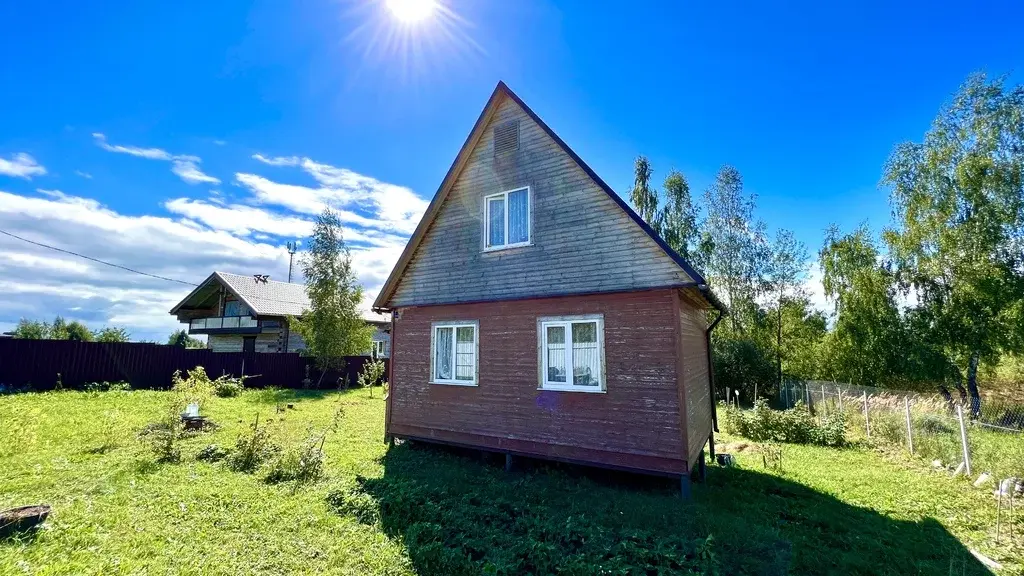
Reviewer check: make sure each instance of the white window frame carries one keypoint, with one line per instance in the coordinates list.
(380, 348)
(454, 326)
(542, 360)
(487, 219)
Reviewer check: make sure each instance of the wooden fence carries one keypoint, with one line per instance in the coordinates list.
(35, 364)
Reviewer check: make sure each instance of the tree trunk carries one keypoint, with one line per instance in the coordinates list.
(778, 350)
(944, 391)
(972, 384)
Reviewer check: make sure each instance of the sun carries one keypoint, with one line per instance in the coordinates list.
(411, 11)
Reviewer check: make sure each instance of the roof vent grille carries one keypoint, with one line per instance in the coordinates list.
(506, 137)
(261, 278)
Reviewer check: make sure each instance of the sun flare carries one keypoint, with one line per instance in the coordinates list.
(411, 11)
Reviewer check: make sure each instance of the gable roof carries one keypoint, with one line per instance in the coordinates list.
(270, 298)
(500, 92)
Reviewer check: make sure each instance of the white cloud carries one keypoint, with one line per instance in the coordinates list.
(239, 219)
(183, 166)
(150, 153)
(278, 161)
(85, 175)
(188, 170)
(21, 165)
(393, 207)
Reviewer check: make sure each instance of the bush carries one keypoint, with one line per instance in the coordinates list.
(212, 453)
(303, 464)
(228, 386)
(163, 435)
(831, 431)
(119, 386)
(371, 374)
(796, 425)
(252, 449)
(195, 388)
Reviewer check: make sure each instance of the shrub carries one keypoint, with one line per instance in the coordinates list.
(194, 388)
(371, 374)
(252, 449)
(303, 464)
(163, 435)
(228, 386)
(119, 386)
(212, 453)
(832, 430)
(795, 425)
(351, 502)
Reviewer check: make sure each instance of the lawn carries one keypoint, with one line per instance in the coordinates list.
(422, 510)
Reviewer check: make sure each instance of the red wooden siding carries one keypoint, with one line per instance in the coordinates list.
(696, 386)
(635, 424)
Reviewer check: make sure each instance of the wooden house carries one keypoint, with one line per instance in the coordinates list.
(535, 313)
(240, 313)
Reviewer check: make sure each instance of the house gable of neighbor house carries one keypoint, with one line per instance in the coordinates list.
(234, 308)
(522, 245)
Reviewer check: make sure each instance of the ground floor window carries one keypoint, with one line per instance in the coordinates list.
(454, 352)
(380, 348)
(572, 353)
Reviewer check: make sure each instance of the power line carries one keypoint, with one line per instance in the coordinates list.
(132, 270)
(97, 260)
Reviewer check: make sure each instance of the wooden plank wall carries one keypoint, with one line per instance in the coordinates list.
(696, 385)
(635, 424)
(583, 242)
(36, 363)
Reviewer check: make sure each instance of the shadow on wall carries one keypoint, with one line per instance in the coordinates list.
(462, 515)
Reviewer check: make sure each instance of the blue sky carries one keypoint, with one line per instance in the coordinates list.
(129, 129)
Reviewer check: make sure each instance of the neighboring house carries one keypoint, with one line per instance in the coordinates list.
(535, 313)
(250, 314)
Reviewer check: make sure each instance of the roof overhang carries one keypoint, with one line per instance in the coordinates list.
(213, 278)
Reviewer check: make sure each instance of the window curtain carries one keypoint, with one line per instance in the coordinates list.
(519, 216)
(465, 352)
(443, 354)
(586, 358)
(496, 222)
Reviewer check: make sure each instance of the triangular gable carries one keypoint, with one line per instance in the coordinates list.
(215, 277)
(500, 95)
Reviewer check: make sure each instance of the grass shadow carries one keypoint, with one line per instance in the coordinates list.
(463, 515)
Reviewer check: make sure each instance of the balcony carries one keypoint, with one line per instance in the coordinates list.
(224, 325)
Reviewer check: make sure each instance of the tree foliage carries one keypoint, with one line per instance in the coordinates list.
(642, 196)
(958, 199)
(182, 339)
(112, 334)
(61, 329)
(333, 327)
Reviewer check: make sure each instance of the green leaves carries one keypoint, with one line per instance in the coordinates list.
(333, 327)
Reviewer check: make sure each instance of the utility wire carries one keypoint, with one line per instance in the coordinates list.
(132, 270)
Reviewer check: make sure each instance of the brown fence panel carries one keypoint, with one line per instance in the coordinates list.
(35, 364)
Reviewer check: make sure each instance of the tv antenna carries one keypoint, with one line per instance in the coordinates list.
(293, 247)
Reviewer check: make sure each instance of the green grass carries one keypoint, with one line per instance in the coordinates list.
(419, 510)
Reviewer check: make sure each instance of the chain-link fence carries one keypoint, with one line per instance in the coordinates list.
(989, 443)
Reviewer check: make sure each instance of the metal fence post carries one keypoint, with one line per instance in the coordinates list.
(910, 429)
(963, 438)
(839, 392)
(867, 416)
(807, 394)
(728, 397)
(824, 405)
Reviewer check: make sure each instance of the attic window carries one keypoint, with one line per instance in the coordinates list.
(506, 137)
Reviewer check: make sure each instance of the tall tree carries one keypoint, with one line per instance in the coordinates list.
(678, 218)
(112, 334)
(642, 196)
(181, 339)
(59, 329)
(333, 327)
(78, 332)
(958, 197)
(787, 272)
(737, 252)
(32, 329)
(865, 344)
